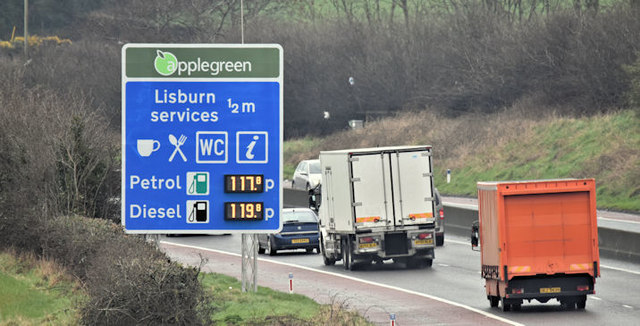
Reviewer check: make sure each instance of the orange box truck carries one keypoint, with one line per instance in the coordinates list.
(538, 240)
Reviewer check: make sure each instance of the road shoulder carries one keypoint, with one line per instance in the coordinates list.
(375, 302)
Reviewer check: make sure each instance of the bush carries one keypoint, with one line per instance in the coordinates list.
(59, 163)
(129, 281)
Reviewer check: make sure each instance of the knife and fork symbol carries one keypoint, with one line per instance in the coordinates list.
(177, 143)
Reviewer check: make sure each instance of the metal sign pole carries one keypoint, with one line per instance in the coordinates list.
(249, 262)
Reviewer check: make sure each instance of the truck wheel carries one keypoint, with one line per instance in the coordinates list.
(493, 301)
(568, 304)
(428, 262)
(413, 263)
(346, 255)
(582, 302)
(260, 249)
(516, 306)
(326, 260)
(505, 305)
(440, 240)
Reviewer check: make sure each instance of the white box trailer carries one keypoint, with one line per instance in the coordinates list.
(377, 204)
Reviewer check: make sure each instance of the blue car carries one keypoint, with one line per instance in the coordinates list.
(300, 230)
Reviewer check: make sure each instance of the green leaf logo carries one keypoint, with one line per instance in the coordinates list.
(165, 63)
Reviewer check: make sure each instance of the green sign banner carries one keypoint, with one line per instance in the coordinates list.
(203, 61)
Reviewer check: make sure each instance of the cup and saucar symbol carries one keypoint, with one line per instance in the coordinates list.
(147, 146)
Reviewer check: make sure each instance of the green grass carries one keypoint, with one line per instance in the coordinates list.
(514, 146)
(292, 148)
(34, 293)
(606, 148)
(267, 306)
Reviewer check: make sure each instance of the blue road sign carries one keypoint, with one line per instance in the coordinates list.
(201, 152)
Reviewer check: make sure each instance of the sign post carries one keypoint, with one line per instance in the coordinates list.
(202, 138)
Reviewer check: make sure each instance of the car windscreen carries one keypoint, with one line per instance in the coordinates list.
(314, 167)
(299, 217)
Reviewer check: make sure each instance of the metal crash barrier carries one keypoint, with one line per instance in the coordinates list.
(614, 243)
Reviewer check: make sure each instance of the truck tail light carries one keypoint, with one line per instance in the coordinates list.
(442, 213)
(422, 236)
(517, 291)
(367, 240)
(583, 288)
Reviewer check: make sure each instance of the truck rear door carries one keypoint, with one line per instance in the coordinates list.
(371, 182)
(549, 233)
(413, 196)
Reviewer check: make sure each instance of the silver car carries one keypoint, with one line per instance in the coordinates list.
(307, 175)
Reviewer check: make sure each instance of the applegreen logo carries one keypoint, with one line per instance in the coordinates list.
(166, 63)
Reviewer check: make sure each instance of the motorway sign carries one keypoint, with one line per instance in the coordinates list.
(202, 138)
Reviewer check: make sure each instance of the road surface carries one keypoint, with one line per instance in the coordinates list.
(454, 277)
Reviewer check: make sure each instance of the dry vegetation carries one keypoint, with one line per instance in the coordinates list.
(456, 139)
(511, 145)
(443, 72)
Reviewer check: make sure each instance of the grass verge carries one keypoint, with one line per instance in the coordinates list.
(524, 143)
(605, 147)
(35, 292)
(270, 307)
(296, 150)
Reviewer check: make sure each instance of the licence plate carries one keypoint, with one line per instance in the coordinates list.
(424, 241)
(367, 245)
(550, 290)
(300, 241)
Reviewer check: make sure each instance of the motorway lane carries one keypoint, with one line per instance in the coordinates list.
(455, 276)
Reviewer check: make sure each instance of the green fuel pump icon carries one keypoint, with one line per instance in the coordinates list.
(198, 183)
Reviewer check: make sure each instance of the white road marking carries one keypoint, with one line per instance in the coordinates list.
(620, 269)
(627, 306)
(463, 206)
(484, 313)
(443, 265)
(617, 220)
(459, 242)
(595, 298)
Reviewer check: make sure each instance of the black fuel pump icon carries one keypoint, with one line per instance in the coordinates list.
(199, 212)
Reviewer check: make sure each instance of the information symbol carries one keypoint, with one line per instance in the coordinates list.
(249, 153)
(252, 147)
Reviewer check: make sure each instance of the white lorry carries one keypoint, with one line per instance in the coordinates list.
(377, 204)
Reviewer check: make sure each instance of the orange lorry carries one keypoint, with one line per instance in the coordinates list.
(538, 240)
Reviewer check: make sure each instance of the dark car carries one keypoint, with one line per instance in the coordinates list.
(300, 230)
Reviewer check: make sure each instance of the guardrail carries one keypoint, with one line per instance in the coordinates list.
(614, 243)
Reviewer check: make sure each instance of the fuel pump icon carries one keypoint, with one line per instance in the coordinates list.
(197, 183)
(198, 211)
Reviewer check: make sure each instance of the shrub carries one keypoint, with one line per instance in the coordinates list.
(129, 281)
